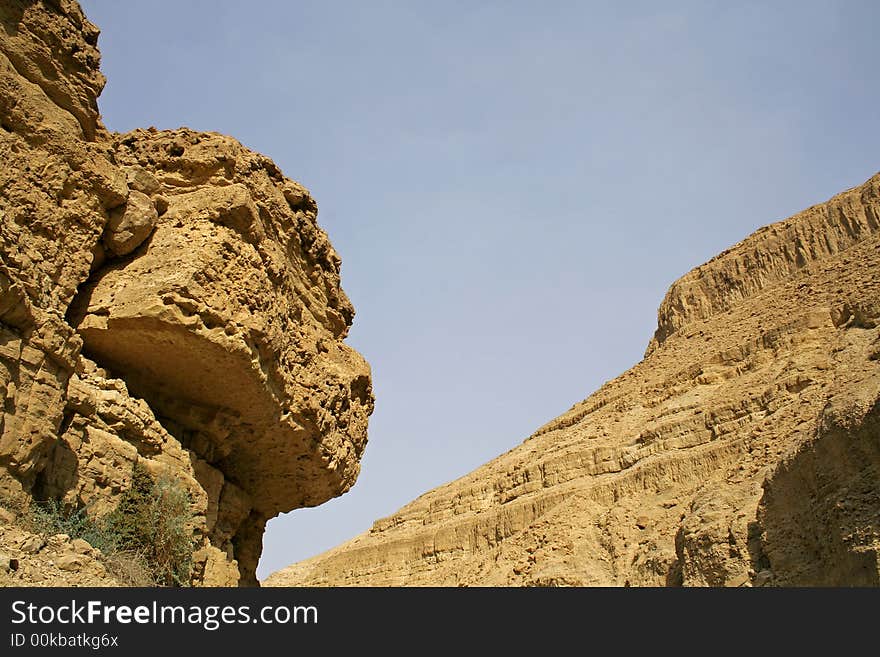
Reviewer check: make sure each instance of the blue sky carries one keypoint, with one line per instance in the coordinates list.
(512, 186)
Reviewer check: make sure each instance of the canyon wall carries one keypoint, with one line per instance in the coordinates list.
(743, 450)
(166, 297)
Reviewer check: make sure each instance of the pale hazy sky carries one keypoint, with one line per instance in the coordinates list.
(512, 186)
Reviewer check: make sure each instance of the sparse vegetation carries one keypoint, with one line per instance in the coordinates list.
(53, 517)
(154, 518)
(146, 540)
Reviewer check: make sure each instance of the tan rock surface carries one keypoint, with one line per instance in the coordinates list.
(229, 323)
(743, 450)
(166, 297)
(29, 559)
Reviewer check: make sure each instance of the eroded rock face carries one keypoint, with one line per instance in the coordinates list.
(743, 450)
(228, 321)
(165, 297)
(59, 184)
(771, 255)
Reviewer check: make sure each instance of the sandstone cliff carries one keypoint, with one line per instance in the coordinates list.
(166, 297)
(743, 450)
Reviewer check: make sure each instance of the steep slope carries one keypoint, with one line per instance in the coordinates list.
(743, 449)
(166, 297)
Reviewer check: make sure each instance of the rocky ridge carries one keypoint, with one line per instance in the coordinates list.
(743, 450)
(166, 297)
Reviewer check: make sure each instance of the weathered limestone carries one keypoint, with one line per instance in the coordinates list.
(166, 297)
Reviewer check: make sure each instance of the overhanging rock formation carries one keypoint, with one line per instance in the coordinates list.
(743, 450)
(165, 296)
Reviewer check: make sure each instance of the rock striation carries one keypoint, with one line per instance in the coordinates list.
(744, 450)
(166, 297)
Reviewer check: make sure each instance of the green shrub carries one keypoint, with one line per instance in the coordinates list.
(154, 519)
(131, 520)
(146, 540)
(53, 517)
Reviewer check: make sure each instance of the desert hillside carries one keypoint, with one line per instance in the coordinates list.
(743, 450)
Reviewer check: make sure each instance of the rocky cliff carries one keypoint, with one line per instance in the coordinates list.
(166, 297)
(743, 450)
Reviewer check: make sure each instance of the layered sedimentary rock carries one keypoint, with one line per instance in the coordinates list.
(167, 297)
(743, 450)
